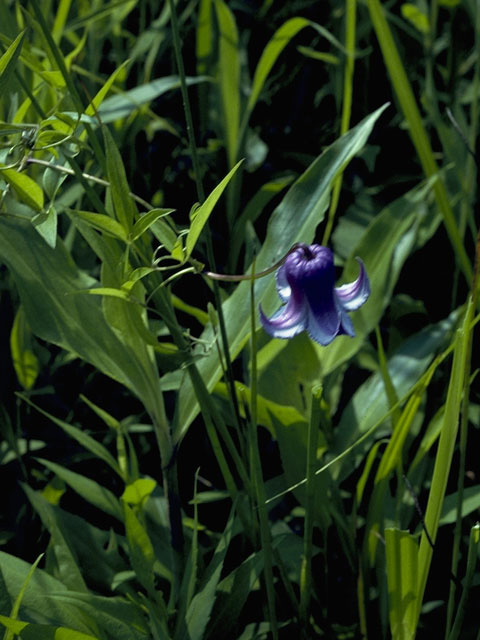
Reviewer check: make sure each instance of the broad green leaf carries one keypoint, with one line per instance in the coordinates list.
(47, 280)
(229, 77)
(21, 593)
(295, 219)
(119, 618)
(27, 189)
(401, 551)
(24, 360)
(34, 604)
(9, 60)
(88, 489)
(30, 631)
(202, 213)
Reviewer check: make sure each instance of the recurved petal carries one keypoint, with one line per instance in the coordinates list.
(288, 321)
(352, 296)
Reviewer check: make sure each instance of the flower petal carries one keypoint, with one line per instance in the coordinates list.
(323, 322)
(283, 288)
(352, 296)
(288, 321)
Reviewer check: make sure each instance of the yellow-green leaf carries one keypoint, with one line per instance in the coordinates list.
(138, 491)
(24, 360)
(27, 189)
(416, 17)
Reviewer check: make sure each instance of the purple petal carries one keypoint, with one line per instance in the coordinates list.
(352, 296)
(324, 317)
(288, 321)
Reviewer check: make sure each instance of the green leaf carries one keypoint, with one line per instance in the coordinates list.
(88, 489)
(98, 450)
(229, 77)
(35, 606)
(416, 128)
(138, 491)
(295, 219)
(99, 97)
(147, 219)
(119, 618)
(401, 551)
(141, 551)
(65, 558)
(103, 223)
(200, 609)
(286, 415)
(46, 280)
(27, 189)
(9, 60)
(275, 46)
(125, 208)
(383, 247)
(24, 360)
(121, 106)
(470, 503)
(415, 16)
(21, 593)
(46, 225)
(369, 403)
(29, 631)
(202, 213)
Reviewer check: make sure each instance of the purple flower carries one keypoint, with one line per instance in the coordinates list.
(305, 282)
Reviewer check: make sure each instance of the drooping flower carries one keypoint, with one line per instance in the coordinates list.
(305, 283)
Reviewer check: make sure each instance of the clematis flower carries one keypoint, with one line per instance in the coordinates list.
(305, 282)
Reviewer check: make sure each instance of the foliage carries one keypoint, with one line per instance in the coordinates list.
(174, 472)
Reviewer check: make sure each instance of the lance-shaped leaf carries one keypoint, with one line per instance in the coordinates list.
(202, 213)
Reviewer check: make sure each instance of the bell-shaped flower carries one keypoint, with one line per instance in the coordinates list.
(305, 283)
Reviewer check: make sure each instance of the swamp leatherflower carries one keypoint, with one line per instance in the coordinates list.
(305, 282)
